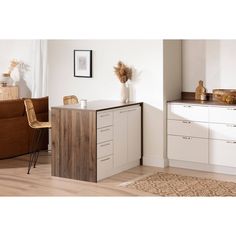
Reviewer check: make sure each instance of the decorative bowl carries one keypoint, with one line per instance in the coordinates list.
(227, 96)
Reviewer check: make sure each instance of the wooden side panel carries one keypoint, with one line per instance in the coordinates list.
(55, 141)
(74, 144)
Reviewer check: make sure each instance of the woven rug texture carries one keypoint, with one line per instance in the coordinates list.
(165, 184)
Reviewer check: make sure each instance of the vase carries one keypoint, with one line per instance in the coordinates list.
(124, 94)
(15, 75)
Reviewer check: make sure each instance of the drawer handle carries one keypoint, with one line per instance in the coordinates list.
(187, 106)
(132, 110)
(186, 122)
(103, 130)
(104, 115)
(231, 142)
(231, 109)
(231, 125)
(106, 159)
(106, 144)
(185, 137)
(123, 111)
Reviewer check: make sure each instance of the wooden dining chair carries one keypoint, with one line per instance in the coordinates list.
(39, 129)
(71, 99)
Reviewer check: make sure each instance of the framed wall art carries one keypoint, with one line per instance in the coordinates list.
(83, 63)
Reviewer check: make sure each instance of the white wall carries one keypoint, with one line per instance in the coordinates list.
(21, 50)
(213, 61)
(172, 54)
(145, 56)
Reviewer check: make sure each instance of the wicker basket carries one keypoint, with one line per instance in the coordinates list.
(227, 96)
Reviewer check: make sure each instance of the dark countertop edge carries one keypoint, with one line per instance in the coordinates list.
(201, 103)
(96, 110)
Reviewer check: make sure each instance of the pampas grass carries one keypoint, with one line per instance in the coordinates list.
(123, 72)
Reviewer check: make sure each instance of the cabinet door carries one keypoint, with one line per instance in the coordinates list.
(134, 133)
(186, 148)
(187, 112)
(222, 115)
(188, 128)
(222, 153)
(222, 131)
(120, 138)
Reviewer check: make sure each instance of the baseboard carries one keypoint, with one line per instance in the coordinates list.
(203, 167)
(155, 161)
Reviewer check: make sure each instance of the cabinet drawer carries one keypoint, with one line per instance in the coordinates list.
(188, 149)
(222, 153)
(187, 112)
(104, 149)
(188, 128)
(104, 167)
(104, 119)
(223, 131)
(104, 134)
(222, 115)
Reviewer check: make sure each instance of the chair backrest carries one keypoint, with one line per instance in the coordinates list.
(29, 107)
(72, 99)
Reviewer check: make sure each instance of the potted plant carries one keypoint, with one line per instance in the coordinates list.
(123, 73)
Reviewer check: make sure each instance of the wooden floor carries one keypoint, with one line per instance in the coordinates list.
(15, 182)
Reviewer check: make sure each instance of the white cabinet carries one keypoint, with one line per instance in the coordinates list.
(202, 134)
(104, 144)
(222, 143)
(104, 134)
(187, 112)
(222, 131)
(127, 135)
(118, 140)
(188, 128)
(134, 134)
(222, 115)
(120, 137)
(187, 133)
(222, 152)
(104, 167)
(187, 148)
(104, 118)
(104, 149)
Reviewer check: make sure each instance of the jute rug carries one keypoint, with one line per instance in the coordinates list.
(165, 184)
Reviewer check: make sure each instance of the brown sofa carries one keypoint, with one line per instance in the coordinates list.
(15, 133)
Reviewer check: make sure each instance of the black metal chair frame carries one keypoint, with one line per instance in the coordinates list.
(38, 133)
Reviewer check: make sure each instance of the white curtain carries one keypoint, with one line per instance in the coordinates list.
(39, 69)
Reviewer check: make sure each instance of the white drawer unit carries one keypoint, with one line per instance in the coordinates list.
(104, 118)
(188, 128)
(104, 134)
(187, 148)
(104, 149)
(187, 112)
(222, 115)
(104, 167)
(204, 135)
(222, 131)
(118, 140)
(222, 153)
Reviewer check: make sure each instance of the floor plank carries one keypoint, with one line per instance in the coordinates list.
(15, 182)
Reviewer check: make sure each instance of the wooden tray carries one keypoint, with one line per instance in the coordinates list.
(227, 96)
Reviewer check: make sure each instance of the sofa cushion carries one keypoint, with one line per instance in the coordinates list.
(14, 137)
(12, 108)
(16, 134)
(40, 104)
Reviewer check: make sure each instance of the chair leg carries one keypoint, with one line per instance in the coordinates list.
(41, 136)
(33, 148)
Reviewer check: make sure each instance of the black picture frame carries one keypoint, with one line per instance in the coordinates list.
(83, 63)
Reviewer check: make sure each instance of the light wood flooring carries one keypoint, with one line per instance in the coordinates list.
(15, 182)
